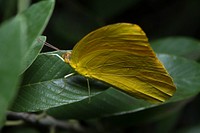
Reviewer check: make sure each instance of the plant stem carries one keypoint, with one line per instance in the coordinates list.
(14, 123)
(44, 120)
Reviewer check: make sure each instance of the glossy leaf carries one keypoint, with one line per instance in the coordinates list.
(181, 46)
(161, 113)
(47, 87)
(52, 92)
(112, 102)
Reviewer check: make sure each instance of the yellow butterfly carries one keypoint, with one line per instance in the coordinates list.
(120, 55)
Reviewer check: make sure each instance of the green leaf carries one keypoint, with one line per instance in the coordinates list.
(19, 48)
(164, 114)
(114, 102)
(44, 85)
(32, 53)
(45, 88)
(11, 52)
(181, 46)
(37, 17)
(186, 76)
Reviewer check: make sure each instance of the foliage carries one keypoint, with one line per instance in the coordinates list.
(19, 49)
(33, 82)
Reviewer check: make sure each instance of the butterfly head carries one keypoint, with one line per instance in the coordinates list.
(66, 57)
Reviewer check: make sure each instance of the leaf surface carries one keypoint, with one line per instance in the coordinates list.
(180, 46)
(62, 96)
(11, 54)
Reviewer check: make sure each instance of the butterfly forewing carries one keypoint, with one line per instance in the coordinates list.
(121, 56)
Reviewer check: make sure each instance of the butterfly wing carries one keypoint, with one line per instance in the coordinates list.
(121, 56)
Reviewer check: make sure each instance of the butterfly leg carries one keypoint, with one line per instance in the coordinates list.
(89, 92)
(68, 75)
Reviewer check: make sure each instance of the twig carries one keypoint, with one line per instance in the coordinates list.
(14, 123)
(45, 120)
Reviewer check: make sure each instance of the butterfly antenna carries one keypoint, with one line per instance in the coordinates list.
(89, 92)
(49, 45)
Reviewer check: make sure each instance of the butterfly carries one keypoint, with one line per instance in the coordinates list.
(120, 55)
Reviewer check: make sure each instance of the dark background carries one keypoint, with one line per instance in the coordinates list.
(73, 19)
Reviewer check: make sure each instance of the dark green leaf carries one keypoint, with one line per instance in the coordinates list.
(45, 88)
(181, 46)
(186, 75)
(160, 113)
(113, 102)
(44, 85)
